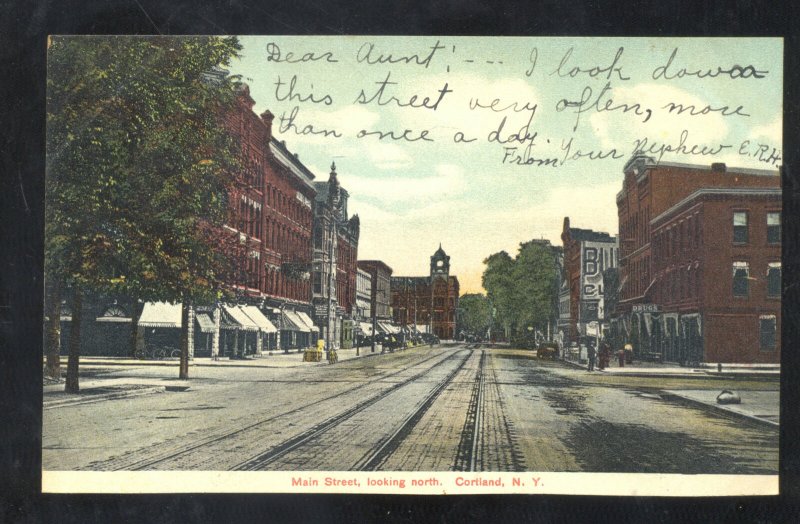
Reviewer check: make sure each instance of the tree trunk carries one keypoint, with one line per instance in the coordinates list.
(72, 385)
(184, 367)
(53, 330)
(136, 312)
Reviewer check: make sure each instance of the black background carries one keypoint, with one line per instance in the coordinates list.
(22, 95)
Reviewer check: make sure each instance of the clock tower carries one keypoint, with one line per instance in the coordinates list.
(440, 264)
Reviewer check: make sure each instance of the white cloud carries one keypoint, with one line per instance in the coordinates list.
(447, 182)
(773, 132)
(388, 156)
(616, 129)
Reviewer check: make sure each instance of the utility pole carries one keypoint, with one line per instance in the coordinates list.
(332, 201)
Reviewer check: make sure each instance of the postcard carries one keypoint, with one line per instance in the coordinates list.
(412, 265)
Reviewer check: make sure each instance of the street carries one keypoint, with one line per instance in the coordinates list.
(454, 407)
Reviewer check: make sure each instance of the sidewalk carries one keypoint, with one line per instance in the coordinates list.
(278, 359)
(762, 407)
(657, 369)
(96, 389)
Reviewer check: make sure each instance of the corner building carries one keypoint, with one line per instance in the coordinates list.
(428, 303)
(700, 263)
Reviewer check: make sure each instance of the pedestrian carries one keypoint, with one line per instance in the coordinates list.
(629, 353)
(604, 356)
(621, 357)
(592, 356)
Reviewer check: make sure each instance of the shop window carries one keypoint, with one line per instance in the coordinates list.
(774, 279)
(740, 234)
(773, 228)
(741, 279)
(768, 325)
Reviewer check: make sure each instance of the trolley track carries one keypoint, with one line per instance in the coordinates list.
(147, 458)
(488, 440)
(379, 451)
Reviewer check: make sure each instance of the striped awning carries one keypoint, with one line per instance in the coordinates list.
(205, 323)
(240, 318)
(291, 322)
(307, 320)
(161, 315)
(258, 317)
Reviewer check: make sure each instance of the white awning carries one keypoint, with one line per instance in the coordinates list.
(258, 317)
(366, 328)
(388, 328)
(307, 320)
(205, 323)
(161, 315)
(297, 321)
(241, 318)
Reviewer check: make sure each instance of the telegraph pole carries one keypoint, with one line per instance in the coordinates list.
(331, 266)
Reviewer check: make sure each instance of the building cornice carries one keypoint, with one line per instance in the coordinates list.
(724, 192)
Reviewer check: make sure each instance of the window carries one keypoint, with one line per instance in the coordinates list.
(740, 227)
(767, 331)
(774, 279)
(773, 228)
(741, 279)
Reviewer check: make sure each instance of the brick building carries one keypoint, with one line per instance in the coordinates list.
(380, 288)
(335, 267)
(272, 218)
(699, 263)
(587, 255)
(429, 303)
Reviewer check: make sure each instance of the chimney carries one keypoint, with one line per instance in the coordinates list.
(267, 118)
(718, 167)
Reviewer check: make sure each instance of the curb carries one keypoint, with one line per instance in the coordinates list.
(104, 396)
(719, 410)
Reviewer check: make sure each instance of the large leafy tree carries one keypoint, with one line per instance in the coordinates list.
(536, 284)
(476, 313)
(523, 289)
(138, 173)
(498, 282)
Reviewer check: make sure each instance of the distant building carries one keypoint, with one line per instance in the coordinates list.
(335, 257)
(363, 296)
(587, 254)
(380, 281)
(700, 262)
(428, 303)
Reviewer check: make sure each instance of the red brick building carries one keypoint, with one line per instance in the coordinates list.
(429, 303)
(272, 216)
(717, 273)
(680, 262)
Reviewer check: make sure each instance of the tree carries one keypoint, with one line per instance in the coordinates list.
(138, 170)
(536, 284)
(476, 313)
(522, 289)
(499, 286)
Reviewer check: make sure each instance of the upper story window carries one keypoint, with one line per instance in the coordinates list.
(740, 227)
(741, 279)
(774, 279)
(773, 228)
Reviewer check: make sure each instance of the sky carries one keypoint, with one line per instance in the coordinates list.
(489, 142)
